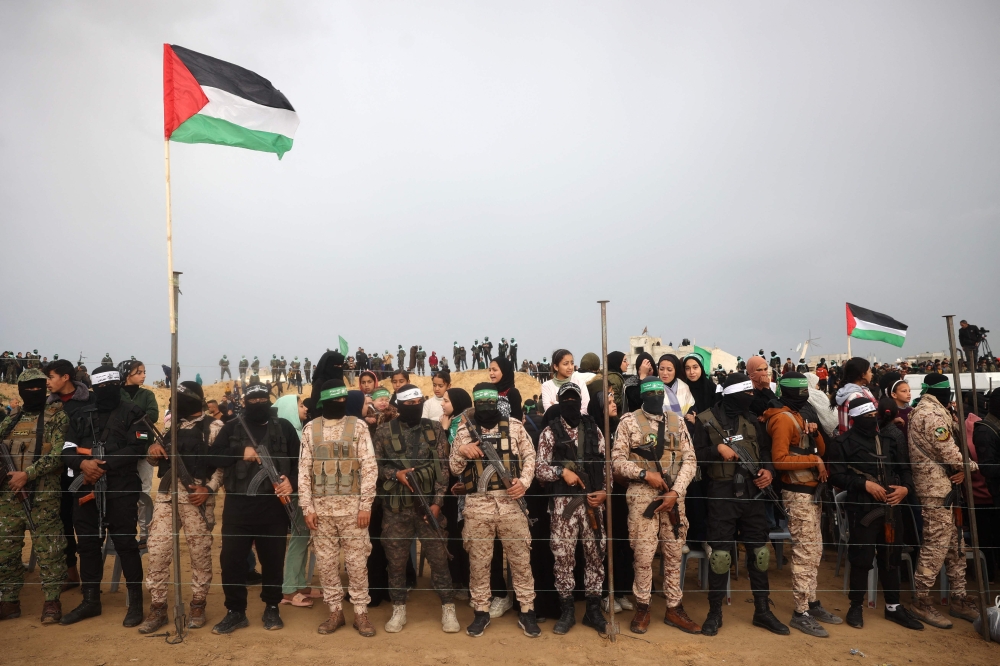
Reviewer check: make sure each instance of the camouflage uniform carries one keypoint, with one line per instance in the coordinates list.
(491, 514)
(565, 531)
(337, 530)
(401, 524)
(807, 546)
(43, 475)
(644, 533)
(933, 457)
(197, 530)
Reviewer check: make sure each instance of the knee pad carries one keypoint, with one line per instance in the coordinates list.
(720, 561)
(761, 558)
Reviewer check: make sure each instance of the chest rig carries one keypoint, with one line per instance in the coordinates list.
(336, 469)
(480, 476)
(744, 433)
(807, 447)
(579, 454)
(423, 459)
(660, 450)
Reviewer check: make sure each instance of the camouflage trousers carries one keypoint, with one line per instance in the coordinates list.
(159, 545)
(565, 532)
(336, 534)
(48, 543)
(942, 544)
(485, 520)
(398, 532)
(807, 545)
(645, 535)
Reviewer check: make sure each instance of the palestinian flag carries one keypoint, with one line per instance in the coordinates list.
(871, 325)
(206, 100)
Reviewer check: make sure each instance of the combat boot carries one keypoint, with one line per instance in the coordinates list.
(398, 619)
(764, 618)
(856, 616)
(640, 622)
(10, 610)
(157, 618)
(196, 614)
(133, 617)
(712, 623)
(925, 611)
(449, 621)
(332, 623)
(678, 617)
(963, 607)
(593, 617)
(567, 616)
(363, 625)
(89, 607)
(51, 612)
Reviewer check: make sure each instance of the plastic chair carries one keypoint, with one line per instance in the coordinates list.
(843, 531)
(777, 539)
(145, 510)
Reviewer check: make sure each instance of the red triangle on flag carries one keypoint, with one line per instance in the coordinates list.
(851, 323)
(182, 95)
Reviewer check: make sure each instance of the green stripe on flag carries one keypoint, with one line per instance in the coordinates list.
(205, 129)
(878, 336)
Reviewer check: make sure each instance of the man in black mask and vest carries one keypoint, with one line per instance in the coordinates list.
(107, 502)
(254, 520)
(734, 502)
(492, 509)
(411, 444)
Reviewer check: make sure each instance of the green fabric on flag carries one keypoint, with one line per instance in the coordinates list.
(343, 345)
(706, 358)
(878, 336)
(206, 129)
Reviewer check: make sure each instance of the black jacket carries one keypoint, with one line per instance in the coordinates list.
(126, 442)
(986, 439)
(852, 453)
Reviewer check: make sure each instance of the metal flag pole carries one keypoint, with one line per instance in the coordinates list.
(964, 446)
(608, 477)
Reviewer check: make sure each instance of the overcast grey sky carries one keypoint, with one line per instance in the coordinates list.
(731, 172)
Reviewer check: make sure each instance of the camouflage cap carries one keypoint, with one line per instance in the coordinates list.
(30, 374)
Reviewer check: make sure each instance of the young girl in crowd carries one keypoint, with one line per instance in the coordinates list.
(433, 405)
(563, 370)
(502, 374)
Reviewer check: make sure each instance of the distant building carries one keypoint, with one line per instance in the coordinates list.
(654, 346)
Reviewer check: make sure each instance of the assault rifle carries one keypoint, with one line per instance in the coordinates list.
(647, 451)
(752, 468)
(887, 510)
(185, 476)
(269, 472)
(496, 468)
(424, 507)
(98, 494)
(7, 461)
(595, 524)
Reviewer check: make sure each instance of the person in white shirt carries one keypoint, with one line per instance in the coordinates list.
(432, 406)
(563, 370)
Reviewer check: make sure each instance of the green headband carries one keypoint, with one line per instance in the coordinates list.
(923, 387)
(380, 393)
(794, 382)
(485, 394)
(331, 393)
(651, 385)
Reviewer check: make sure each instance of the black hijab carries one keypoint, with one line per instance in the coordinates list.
(460, 401)
(703, 391)
(645, 356)
(615, 359)
(355, 403)
(506, 375)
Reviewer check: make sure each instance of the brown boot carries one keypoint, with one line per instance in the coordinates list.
(363, 626)
(51, 612)
(196, 614)
(925, 611)
(10, 610)
(640, 623)
(335, 620)
(963, 607)
(157, 618)
(72, 579)
(677, 617)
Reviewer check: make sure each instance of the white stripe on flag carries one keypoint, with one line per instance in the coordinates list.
(868, 326)
(250, 115)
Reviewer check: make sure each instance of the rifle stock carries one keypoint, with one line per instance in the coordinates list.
(424, 507)
(7, 460)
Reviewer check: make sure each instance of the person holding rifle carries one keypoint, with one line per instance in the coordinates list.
(571, 461)
(256, 511)
(32, 439)
(797, 449)
(736, 499)
(412, 454)
(337, 477)
(106, 489)
(197, 484)
(938, 473)
(654, 452)
(494, 506)
(875, 472)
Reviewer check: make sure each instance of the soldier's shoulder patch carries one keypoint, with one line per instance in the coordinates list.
(140, 435)
(942, 434)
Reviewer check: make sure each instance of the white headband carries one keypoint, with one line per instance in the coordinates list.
(109, 376)
(860, 410)
(738, 388)
(409, 394)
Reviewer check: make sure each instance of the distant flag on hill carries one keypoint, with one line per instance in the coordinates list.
(206, 100)
(343, 346)
(870, 325)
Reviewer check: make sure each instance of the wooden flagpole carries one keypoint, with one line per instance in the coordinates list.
(612, 628)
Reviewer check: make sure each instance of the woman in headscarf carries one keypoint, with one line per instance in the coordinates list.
(502, 375)
(295, 588)
(678, 396)
(702, 388)
(644, 367)
(703, 391)
(329, 366)
(454, 402)
(617, 366)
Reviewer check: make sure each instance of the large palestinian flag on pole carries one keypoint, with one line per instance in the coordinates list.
(870, 325)
(206, 100)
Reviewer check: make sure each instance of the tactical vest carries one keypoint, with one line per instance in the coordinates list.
(810, 448)
(722, 470)
(670, 460)
(426, 466)
(336, 469)
(114, 435)
(501, 442)
(192, 443)
(237, 477)
(26, 437)
(581, 453)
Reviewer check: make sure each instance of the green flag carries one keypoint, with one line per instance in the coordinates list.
(343, 345)
(706, 358)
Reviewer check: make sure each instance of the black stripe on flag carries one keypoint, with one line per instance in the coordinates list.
(209, 71)
(876, 317)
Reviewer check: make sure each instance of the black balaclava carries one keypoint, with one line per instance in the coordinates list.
(260, 412)
(484, 398)
(107, 387)
(737, 402)
(189, 399)
(31, 388)
(794, 390)
(409, 414)
(942, 394)
(652, 391)
(569, 404)
(865, 424)
(330, 402)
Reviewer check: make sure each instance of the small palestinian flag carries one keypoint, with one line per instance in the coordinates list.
(206, 100)
(871, 325)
